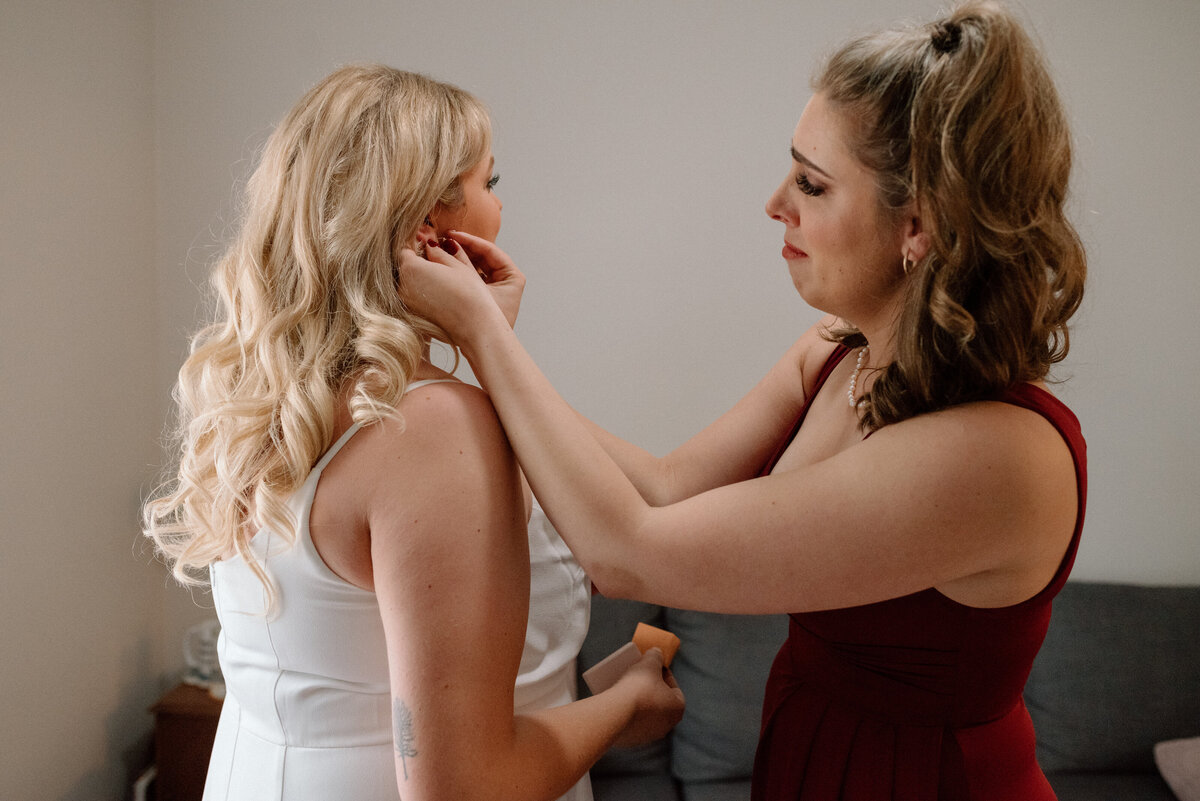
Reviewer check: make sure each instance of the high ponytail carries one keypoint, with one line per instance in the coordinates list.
(962, 117)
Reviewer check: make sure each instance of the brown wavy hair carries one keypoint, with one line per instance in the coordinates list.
(307, 307)
(961, 116)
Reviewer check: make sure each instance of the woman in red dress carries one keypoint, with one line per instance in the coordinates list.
(902, 482)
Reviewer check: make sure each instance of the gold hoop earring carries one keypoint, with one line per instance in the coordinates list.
(908, 263)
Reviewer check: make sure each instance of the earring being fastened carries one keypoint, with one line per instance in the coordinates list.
(862, 354)
(907, 263)
(420, 246)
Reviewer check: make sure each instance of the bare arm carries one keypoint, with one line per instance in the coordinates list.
(737, 445)
(982, 495)
(733, 448)
(451, 571)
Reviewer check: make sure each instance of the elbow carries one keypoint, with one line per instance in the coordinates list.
(502, 785)
(660, 488)
(619, 562)
(616, 581)
(449, 788)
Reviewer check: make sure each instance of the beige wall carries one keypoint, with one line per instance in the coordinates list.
(80, 653)
(637, 147)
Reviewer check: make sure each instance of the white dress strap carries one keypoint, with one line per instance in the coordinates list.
(335, 447)
(353, 429)
(427, 381)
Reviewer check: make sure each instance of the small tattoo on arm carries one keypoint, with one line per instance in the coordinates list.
(405, 739)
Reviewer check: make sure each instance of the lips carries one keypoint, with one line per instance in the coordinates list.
(790, 252)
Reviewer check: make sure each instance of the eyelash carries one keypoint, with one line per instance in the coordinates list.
(491, 184)
(807, 188)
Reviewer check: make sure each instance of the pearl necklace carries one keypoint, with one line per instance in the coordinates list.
(862, 354)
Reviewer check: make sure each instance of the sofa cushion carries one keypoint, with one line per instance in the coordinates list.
(737, 790)
(1179, 763)
(1110, 787)
(612, 625)
(1119, 671)
(722, 668)
(647, 787)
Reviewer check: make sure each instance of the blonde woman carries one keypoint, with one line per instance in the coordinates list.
(361, 516)
(902, 482)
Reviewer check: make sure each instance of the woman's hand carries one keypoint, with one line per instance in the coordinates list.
(445, 287)
(506, 282)
(659, 701)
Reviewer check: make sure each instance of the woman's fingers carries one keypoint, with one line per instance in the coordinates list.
(499, 272)
(432, 287)
(439, 298)
(493, 262)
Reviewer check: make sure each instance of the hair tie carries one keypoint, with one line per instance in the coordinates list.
(946, 37)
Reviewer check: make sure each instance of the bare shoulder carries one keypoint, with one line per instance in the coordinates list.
(987, 444)
(443, 456)
(814, 348)
(795, 374)
(991, 427)
(996, 475)
(448, 403)
(444, 444)
(436, 420)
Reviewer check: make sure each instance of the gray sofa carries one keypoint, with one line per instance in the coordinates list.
(1119, 672)
(722, 667)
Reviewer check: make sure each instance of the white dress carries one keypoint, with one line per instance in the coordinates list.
(307, 713)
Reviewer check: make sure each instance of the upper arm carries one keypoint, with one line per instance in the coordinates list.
(451, 569)
(949, 499)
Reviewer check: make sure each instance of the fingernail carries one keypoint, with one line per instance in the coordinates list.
(432, 244)
(450, 247)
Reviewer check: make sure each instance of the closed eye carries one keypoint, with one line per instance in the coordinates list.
(807, 187)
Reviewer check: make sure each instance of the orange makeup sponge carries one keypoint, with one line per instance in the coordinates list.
(647, 637)
(605, 673)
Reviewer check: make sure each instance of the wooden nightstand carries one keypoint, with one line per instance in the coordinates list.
(185, 725)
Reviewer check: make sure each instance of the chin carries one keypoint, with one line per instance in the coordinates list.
(811, 298)
(798, 282)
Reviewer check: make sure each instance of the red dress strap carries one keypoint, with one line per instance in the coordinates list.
(1036, 399)
(833, 361)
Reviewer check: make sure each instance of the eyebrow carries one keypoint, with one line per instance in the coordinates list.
(802, 159)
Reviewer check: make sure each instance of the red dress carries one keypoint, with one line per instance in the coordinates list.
(916, 698)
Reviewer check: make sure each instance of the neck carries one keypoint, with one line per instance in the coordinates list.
(867, 361)
(880, 333)
(882, 350)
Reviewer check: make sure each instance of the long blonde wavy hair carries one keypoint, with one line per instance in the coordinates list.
(962, 116)
(307, 308)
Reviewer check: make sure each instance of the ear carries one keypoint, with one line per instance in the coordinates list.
(426, 233)
(915, 241)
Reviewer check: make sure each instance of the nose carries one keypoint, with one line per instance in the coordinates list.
(777, 207)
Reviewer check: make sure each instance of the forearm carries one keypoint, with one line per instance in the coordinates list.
(540, 755)
(553, 748)
(647, 472)
(592, 503)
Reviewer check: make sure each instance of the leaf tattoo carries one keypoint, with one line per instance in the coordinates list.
(402, 719)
